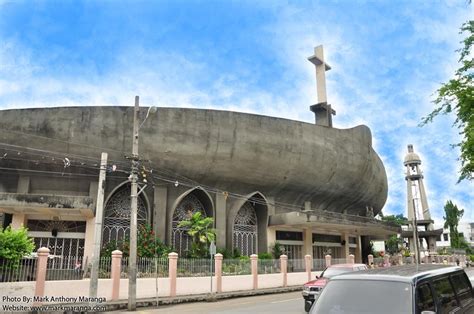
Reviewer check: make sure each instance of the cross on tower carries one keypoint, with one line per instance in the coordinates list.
(322, 110)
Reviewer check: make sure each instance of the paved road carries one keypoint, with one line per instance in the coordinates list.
(290, 302)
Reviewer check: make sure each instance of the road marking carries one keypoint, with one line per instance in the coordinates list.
(285, 300)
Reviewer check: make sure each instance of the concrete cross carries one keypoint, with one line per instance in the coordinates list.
(321, 67)
(322, 109)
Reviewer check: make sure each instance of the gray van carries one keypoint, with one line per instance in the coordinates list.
(410, 289)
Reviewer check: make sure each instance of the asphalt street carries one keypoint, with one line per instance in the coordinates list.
(290, 302)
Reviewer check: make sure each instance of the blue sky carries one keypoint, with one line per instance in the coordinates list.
(387, 57)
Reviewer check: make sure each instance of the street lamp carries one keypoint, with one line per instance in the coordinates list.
(132, 266)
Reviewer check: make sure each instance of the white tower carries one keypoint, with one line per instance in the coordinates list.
(417, 203)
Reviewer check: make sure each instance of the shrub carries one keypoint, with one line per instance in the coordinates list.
(264, 256)
(15, 244)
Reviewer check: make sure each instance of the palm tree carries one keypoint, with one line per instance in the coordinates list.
(200, 230)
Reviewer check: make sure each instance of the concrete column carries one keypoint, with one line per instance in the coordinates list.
(370, 259)
(89, 239)
(254, 265)
(400, 259)
(221, 220)
(386, 260)
(345, 237)
(115, 274)
(284, 269)
(328, 260)
(271, 237)
(308, 241)
(358, 251)
(218, 271)
(351, 259)
(93, 188)
(160, 200)
(308, 261)
(18, 221)
(42, 263)
(173, 270)
(23, 186)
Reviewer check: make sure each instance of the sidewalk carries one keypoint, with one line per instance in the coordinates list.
(151, 302)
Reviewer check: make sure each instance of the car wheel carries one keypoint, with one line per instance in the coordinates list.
(307, 305)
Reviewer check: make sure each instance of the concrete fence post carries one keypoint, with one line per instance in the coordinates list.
(351, 259)
(218, 270)
(42, 263)
(254, 264)
(115, 273)
(328, 260)
(400, 259)
(386, 260)
(173, 270)
(370, 260)
(284, 269)
(308, 265)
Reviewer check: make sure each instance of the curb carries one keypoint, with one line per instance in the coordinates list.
(205, 297)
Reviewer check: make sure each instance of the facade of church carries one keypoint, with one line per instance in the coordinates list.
(311, 187)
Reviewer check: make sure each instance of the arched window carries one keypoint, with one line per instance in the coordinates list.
(245, 232)
(117, 216)
(185, 209)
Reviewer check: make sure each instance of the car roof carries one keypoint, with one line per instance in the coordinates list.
(347, 265)
(405, 273)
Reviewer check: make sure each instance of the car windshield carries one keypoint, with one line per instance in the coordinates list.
(376, 296)
(333, 271)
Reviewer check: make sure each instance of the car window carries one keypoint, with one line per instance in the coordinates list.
(424, 299)
(364, 297)
(445, 294)
(333, 271)
(462, 288)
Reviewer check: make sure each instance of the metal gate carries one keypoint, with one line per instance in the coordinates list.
(245, 232)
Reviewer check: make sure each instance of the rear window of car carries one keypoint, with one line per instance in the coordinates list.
(445, 293)
(364, 296)
(462, 288)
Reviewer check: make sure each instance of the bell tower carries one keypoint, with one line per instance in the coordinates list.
(418, 211)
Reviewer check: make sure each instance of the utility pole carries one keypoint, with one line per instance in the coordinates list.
(132, 266)
(99, 213)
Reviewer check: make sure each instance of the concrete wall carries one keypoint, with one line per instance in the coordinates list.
(334, 169)
(146, 287)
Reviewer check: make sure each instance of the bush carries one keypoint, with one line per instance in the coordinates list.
(264, 256)
(15, 244)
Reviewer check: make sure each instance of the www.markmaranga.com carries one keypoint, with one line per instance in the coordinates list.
(52, 307)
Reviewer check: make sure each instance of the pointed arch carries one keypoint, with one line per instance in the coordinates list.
(249, 219)
(116, 223)
(193, 200)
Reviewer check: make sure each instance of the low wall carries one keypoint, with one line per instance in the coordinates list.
(146, 287)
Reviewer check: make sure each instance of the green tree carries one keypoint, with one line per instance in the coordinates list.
(200, 230)
(393, 244)
(457, 96)
(451, 221)
(398, 220)
(15, 244)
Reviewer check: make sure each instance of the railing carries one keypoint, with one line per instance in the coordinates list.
(296, 265)
(193, 267)
(319, 264)
(269, 266)
(232, 267)
(335, 261)
(65, 268)
(23, 270)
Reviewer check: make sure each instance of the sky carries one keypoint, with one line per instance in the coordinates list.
(388, 58)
